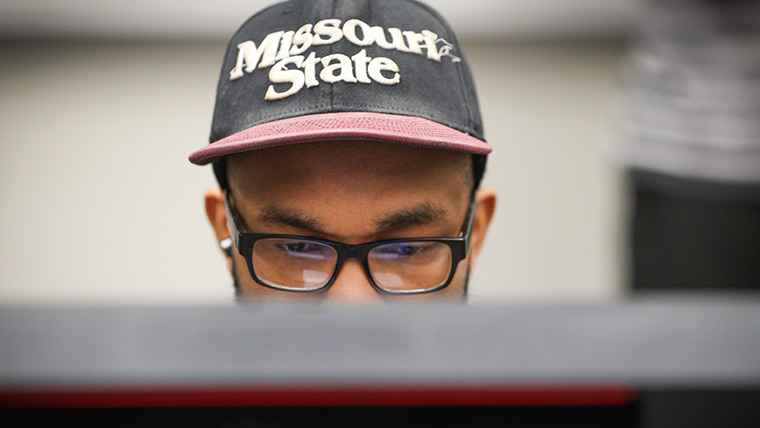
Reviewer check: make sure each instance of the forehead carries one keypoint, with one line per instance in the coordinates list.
(350, 170)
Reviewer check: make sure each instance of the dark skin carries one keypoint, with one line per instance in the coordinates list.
(351, 192)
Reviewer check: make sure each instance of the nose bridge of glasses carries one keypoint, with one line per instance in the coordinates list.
(353, 251)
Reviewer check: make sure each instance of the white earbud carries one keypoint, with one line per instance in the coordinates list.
(226, 245)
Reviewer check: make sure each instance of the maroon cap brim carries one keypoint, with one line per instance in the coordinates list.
(348, 125)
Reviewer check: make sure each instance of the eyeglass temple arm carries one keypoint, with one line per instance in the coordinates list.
(470, 220)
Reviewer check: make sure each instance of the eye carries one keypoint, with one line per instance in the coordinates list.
(403, 250)
(278, 250)
(301, 247)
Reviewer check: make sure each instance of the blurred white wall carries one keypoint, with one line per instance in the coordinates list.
(551, 112)
(217, 19)
(100, 205)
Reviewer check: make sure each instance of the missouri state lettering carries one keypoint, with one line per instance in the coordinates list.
(285, 53)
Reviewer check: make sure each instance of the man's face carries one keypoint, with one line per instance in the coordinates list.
(351, 192)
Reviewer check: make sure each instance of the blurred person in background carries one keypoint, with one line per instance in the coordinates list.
(694, 128)
(348, 146)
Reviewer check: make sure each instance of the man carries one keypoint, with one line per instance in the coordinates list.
(348, 146)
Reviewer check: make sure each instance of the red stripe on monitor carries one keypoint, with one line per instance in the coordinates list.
(318, 395)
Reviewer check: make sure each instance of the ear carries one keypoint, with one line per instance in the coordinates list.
(485, 205)
(217, 216)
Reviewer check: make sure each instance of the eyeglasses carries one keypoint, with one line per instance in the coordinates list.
(396, 266)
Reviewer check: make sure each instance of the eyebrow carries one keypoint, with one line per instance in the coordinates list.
(290, 217)
(422, 214)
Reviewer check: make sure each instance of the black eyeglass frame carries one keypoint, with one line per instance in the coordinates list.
(244, 242)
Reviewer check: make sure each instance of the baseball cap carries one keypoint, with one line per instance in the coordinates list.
(312, 70)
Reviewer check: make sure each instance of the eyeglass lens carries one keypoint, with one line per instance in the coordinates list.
(410, 266)
(294, 263)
